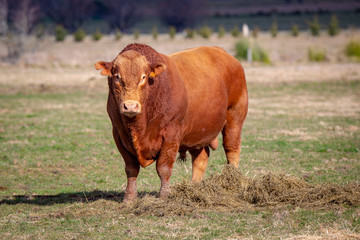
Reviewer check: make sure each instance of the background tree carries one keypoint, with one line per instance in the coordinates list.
(295, 30)
(121, 14)
(182, 14)
(333, 28)
(255, 32)
(235, 32)
(154, 32)
(274, 29)
(60, 33)
(3, 17)
(69, 13)
(17, 18)
(221, 31)
(314, 26)
(24, 15)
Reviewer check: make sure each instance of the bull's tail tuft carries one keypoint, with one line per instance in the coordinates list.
(182, 156)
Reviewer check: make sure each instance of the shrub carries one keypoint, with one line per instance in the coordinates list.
(294, 30)
(154, 33)
(258, 54)
(352, 49)
(118, 34)
(190, 34)
(79, 35)
(221, 31)
(274, 29)
(235, 31)
(333, 28)
(314, 26)
(136, 34)
(60, 33)
(255, 31)
(316, 54)
(241, 48)
(205, 32)
(172, 32)
(97, 35)
(39, 31)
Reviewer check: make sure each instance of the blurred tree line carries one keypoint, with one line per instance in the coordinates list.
(118, 14)
(19, 18)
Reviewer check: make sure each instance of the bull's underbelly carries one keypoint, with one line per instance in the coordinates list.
(204, 128)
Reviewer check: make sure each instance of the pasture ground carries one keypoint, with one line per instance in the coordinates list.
(61, 175)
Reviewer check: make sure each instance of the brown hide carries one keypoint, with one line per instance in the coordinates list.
(188, 98)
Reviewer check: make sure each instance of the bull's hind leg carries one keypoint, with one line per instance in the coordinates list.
(200, 159)
(232, 132)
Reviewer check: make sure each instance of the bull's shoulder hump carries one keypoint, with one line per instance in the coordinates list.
(197, 50)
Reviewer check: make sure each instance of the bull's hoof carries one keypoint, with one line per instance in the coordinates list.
(130, 198)
(164, 193)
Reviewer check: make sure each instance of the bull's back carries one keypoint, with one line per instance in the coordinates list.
(212, 79)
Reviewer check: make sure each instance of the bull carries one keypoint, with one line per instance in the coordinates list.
(160, 105)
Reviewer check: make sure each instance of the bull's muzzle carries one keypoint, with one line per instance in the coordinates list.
(130, 108)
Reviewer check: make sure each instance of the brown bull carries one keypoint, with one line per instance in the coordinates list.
(160, 105)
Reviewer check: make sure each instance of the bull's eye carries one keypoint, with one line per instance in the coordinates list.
(117, 77)
(142, 81)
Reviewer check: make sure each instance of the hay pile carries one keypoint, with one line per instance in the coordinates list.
(232, 192)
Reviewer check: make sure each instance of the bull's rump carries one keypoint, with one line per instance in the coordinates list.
(211, 77)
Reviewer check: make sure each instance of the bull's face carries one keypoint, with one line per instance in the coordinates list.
(129, 74)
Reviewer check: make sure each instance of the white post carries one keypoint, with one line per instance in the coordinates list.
(249, 55)
(245, 30)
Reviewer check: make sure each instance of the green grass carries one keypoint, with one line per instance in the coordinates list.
(265, 224)
(62, 176)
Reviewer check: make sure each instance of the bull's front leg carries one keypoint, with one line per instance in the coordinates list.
(132, 171)
(164, 166)
(132, 168)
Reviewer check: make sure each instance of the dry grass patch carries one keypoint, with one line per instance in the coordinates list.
(328, 233)
(300, 134)
(231, 192)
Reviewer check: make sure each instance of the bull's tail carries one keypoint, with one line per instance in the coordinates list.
(214, 144)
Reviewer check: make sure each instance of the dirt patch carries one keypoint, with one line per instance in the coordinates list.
(232, 192)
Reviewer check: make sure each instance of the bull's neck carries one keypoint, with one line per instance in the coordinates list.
(158, 103)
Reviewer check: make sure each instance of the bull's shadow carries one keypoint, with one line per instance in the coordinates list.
(69, 197)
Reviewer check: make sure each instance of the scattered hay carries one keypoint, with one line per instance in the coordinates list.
(233, 192)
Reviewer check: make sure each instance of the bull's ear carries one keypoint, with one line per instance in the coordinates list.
(157, 68)
(106, 66)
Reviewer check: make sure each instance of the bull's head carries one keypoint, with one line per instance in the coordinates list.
(129, 74)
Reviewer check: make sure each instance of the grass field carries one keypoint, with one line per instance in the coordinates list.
(61, 175)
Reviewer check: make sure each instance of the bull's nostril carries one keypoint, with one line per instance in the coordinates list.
(131, 107)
